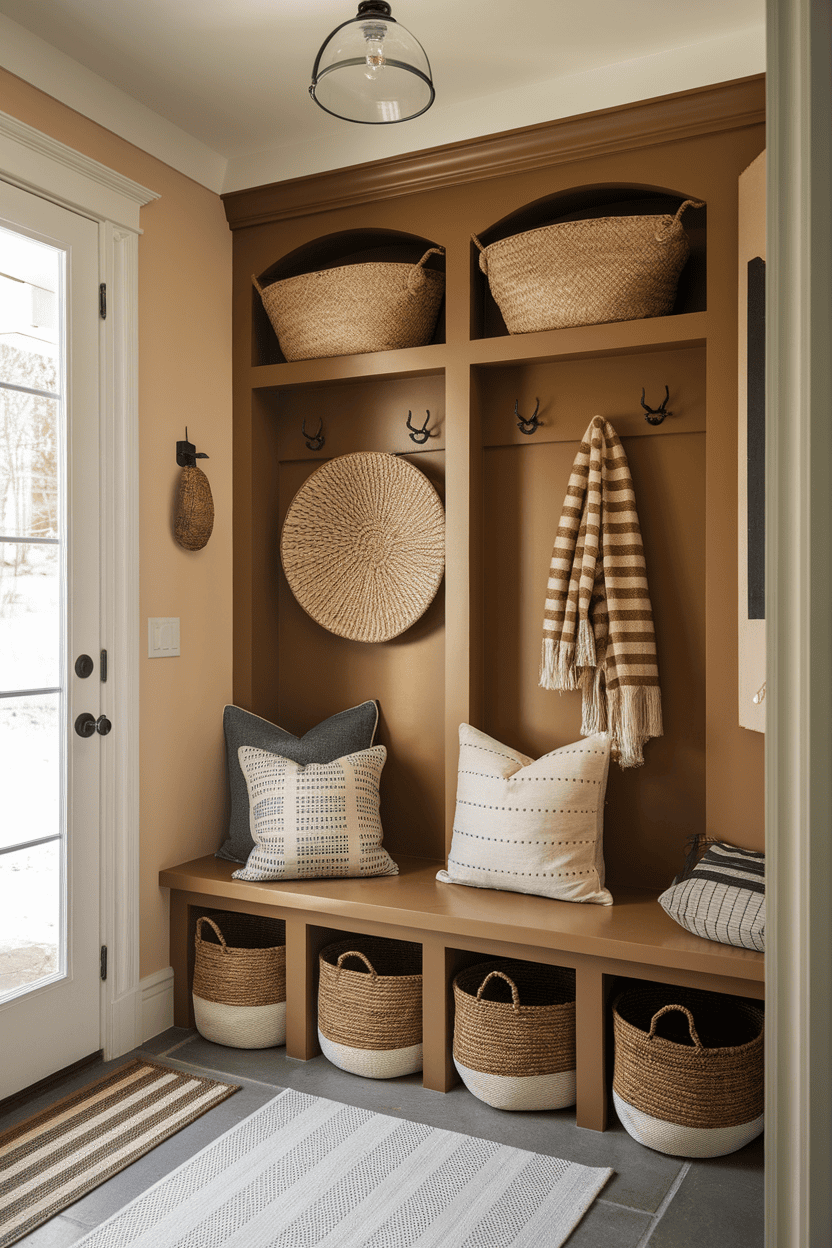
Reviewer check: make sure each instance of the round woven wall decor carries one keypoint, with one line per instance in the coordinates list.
(363, 545)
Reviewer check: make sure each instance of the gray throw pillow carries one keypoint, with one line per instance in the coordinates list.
(344, 733)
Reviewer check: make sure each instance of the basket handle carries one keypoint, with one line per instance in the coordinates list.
(353, 953)
(515, 995)
(416, 278)
(676, 222)
(666, 1009)
(483, 255)
(257, 285)
(203, 918)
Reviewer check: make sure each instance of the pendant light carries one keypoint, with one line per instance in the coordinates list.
(372, 70)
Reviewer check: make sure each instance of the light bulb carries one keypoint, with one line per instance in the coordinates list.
(374, 33)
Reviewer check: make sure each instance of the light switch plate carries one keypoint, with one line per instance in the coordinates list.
(163, 637)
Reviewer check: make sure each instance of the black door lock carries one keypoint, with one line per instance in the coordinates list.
(84, 666)
(86, 725)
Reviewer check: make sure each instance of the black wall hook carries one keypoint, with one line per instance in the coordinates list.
(187, 454)
(419, 435)
(655, 415)
(530, 423)
(314, 441)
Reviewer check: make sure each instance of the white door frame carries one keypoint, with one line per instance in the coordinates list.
(799, 624)
(38, 163)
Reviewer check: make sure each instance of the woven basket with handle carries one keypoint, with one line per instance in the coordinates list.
(514, 1034)
(688, 1074)
(370, 1011)
(587, 272)
(355, 308)
(239, 987)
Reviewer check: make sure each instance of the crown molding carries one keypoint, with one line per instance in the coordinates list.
(666, 119)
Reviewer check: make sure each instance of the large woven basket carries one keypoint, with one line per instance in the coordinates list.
(697, 1089)
(370, 1012)
(355, 308)
(517, 1053)
(363, 545)
(239, 988)
(587, 272)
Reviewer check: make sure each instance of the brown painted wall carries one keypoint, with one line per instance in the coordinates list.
(184, 378)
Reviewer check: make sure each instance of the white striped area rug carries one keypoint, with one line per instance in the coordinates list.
(304, 1172)
(49, 1161)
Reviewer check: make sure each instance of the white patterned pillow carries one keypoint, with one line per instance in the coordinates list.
(723, 897)
(317, 821)
(530, 826)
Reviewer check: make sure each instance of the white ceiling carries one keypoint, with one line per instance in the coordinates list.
(232, 76)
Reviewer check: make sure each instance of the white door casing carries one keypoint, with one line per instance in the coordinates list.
(56, 172)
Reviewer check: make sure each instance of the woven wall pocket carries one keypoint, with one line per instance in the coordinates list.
(239, 987)
(688, 1077)
(355, 308)
(363, 545)
(516, 1053)
(370, 1006)
(587, 272)
(194, 515)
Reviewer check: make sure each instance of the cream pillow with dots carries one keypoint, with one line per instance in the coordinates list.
(530, 826)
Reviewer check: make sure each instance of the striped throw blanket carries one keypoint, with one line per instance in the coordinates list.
(598, 628)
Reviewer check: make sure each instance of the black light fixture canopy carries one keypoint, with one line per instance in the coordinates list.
(371, 70)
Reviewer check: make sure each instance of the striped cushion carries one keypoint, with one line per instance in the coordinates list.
(530, 826)
(722, 898)
(314, 822)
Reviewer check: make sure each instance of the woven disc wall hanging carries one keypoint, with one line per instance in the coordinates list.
(363, 545)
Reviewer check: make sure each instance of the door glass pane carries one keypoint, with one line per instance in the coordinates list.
(28, 460)
(30, 616)
(30, 320)
(30, 769)
(30, 917)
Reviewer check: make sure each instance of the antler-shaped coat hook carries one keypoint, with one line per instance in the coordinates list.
(527, 424)
(655, 415)
(419, 435)
(314, 441)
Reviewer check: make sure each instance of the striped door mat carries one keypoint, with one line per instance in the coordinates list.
(52, 1159)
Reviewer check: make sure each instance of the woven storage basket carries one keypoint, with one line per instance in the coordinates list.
(587, 272)
(520, 1053)
(697, 1089)
(370, 1018)
(363, 545)
(194, 514)
(240, 985)
(355, 308)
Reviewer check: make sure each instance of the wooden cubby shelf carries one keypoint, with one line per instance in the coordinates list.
(473, 657)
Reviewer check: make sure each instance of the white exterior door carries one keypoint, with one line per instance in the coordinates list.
(49, 618)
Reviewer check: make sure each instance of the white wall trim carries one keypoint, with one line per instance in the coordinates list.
(156, 1008)
(799, 620)
(65, 79)
(36, 162)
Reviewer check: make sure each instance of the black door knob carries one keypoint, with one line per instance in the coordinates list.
(84, 666)
(85, 724)
(102, 725)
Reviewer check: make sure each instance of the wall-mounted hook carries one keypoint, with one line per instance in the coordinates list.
(530, 423)
(419, 435)
(314, 441)
(655, 415)
(187, 454)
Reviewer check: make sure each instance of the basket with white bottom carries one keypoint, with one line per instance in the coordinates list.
(517, 1054)
(239, 988)
(688, 1077)
(370, 1014)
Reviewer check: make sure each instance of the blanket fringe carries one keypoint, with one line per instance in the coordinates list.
(557, 665)
(635, 715)
(585, 652)
(594, 706)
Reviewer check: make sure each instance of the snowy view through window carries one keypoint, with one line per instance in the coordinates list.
(31, 614)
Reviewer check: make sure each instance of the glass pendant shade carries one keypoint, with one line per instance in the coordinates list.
(372, 70)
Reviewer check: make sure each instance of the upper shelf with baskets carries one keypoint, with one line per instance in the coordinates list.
(586, 256)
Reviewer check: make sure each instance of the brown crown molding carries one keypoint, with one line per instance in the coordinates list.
(665, 119)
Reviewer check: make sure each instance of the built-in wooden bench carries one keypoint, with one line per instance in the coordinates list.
(457, 926)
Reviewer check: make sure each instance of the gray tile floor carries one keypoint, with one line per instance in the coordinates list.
(653, 1200)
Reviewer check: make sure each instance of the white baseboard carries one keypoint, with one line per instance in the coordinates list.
(156, 1010)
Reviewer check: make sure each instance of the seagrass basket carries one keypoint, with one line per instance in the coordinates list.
(516, 1053)
(587, 272)
(370, 1013)
(239, 988)
(355, 308)
(688, 1076)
